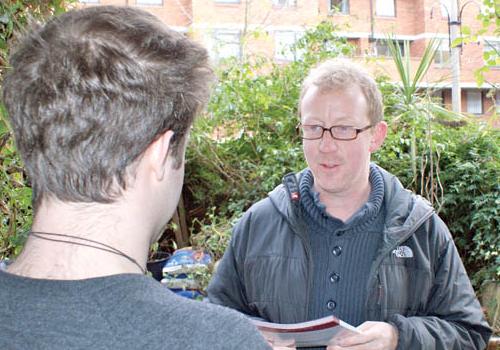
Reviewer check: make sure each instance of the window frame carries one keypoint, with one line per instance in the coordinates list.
(286, 3)
(217, 43)
(377, 2)
(223, 2)
(468, 94)
(383, 43)
(149, 3)
(491, 45)
(443, 55)
(341, 5)
(438, 97)
(278, 52)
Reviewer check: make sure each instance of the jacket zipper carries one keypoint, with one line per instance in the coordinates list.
(309, 271)
(307, 249)
(380, 291)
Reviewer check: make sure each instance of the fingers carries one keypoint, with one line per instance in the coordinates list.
(374, 336)
(354, 347)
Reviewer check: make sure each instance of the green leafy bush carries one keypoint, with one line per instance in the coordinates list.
(472, 199)
(466, 190)
(15, 192)
(15, 197)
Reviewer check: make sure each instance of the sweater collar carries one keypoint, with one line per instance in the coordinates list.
(316, 211)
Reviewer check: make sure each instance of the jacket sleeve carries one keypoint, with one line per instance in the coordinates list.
(453, 317)
(226, 287)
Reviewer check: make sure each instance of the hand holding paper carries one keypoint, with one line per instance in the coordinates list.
(320, 332)
(373, 336)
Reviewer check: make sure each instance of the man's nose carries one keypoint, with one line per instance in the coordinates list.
(327, 143)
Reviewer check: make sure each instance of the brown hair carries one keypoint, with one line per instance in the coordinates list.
(90, 90)
(342, 74)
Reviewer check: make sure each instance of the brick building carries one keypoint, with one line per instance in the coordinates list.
(228, 28)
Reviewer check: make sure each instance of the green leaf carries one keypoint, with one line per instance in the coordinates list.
(456, 42)
(479, 76)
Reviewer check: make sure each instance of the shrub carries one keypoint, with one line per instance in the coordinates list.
(15, 192)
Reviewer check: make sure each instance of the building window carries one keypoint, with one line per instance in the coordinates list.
(381, 48)
(438, 97)
(340, 47)
(474, 102)
(339, 6)
(283, 45)
(285, 3)
(442, 57)
(149, 2)
(385, 8)
(226, 44)
(355, 46)
(491, 53)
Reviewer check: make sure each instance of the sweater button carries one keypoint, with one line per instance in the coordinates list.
(337, 250)
(331, 305)
(334, 277)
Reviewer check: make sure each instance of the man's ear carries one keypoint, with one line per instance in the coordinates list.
(378, 136)
(158, 154)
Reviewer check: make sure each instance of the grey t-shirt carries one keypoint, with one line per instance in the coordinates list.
(125, 311)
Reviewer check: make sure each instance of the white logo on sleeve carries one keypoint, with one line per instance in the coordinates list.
(403, 252)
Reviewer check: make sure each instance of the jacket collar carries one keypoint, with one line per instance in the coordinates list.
(405, 210)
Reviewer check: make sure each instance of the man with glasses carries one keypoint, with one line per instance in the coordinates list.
(344, 238)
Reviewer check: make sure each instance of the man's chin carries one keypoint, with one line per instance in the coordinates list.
(331, 190)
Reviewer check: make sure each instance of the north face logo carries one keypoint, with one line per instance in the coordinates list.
(403, 252)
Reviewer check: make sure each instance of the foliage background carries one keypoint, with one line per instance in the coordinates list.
(15, 192)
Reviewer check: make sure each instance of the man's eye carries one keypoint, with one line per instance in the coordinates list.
(316, 129)
(344, 129)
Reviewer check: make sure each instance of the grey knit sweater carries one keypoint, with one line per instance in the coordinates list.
(126, 311)
(342, 252)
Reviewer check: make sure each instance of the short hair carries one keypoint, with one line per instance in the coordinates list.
(90, 90)
(343, 74)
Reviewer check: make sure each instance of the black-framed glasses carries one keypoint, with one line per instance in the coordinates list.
(338, 132)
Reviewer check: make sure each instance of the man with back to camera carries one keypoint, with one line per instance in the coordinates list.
(101, 101)
(343, 237)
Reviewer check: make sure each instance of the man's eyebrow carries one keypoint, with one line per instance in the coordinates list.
(345, 121)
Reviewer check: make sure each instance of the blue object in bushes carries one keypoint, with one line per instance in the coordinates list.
(178, 270)
(4, 263)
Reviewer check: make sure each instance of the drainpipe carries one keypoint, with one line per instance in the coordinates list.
(371, 38)
(453, 26)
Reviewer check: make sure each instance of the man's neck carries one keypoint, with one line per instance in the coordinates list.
(110, 224)
(343, 205)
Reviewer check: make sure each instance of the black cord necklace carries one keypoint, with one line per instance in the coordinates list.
(95, 244)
